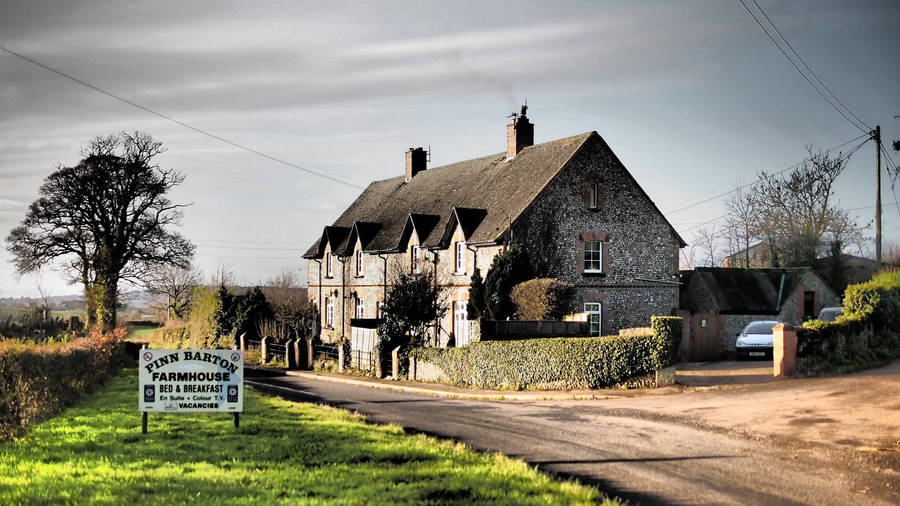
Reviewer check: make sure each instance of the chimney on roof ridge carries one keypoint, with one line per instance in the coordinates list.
(416, 160)
(519, 133)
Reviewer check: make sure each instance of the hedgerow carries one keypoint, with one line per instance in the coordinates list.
(175, 334)
(39, 380)
(865, 336)
(667, 334)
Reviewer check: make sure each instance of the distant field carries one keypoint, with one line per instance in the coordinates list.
(140, 332)
(284, 452)
(6, 312)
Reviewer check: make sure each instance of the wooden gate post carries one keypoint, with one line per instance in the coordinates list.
(290, 358)
(264, 349)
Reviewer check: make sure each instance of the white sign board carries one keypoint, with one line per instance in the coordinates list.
(191, 380)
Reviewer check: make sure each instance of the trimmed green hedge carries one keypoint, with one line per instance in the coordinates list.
(551, 363)
(559, 363)
(39, 380)
(667, 333)
(866, 335)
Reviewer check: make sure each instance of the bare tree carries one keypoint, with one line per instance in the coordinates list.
(176, 286)
(793, 215)
(707, 241)
(741, 225)
(105, 220)
(292, 310)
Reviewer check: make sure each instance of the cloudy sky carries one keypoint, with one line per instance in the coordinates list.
(691, 96)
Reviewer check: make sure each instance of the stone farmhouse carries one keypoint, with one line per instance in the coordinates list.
(570, 203)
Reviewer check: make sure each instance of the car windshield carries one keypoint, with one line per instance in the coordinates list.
(759, 328)
(829, 315)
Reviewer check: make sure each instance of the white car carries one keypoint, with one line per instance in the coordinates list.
(756, 339)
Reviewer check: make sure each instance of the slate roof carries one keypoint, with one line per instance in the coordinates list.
(484, 194)
(746, 291)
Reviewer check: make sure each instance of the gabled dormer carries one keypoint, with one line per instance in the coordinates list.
(466, 220)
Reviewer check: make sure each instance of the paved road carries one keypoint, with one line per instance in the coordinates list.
(625, 452)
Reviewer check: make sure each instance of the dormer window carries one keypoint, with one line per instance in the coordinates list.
(359, 263)
(329, 265)
(415, 259)
(461, 257)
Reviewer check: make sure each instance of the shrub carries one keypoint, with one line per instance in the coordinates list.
(39, 380)
(476, 306)
(202, 322)
(175, 334)
(865, 336)
(878, 298)
(667, 333)
(543, 299)
(552, 363)
(413, 302)
(508, 269)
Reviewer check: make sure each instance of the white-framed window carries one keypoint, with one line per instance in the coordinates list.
(461, 257)
(593, 256)
(415, 259)
(329, 312)
(461, 323)
(360, 266)
(360, 308)
(379, 309)
(329, 264)
(594, 196)
(594, 312)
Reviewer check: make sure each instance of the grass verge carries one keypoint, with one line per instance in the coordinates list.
(284, 452)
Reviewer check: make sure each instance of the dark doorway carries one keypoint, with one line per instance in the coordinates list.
(809, 305)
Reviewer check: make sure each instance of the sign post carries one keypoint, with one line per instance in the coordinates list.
(177, 381)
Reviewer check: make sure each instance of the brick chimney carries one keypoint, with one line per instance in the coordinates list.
(519, 133)
(416, 160)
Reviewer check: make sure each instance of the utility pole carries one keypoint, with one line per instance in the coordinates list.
(876, 134)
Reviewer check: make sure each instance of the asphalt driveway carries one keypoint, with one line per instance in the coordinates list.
(816, 441)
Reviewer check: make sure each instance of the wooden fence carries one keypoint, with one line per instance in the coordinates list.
(500, 330)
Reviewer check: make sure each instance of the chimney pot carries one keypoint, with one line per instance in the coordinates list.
(519, 134)
(416, 161)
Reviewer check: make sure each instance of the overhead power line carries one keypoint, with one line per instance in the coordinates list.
(832, 95)
(191, 127)
(834, 102)
(782, 171)
(717, 218)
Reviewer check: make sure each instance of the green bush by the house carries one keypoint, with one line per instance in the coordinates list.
(543, 299)
(866, 335)
(667, 335)
(39, 380)
(559, 363)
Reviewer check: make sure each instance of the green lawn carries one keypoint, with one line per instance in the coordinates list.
(140, 332)
(284, 452)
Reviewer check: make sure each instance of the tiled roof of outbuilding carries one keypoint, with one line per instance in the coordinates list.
(747, 291)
